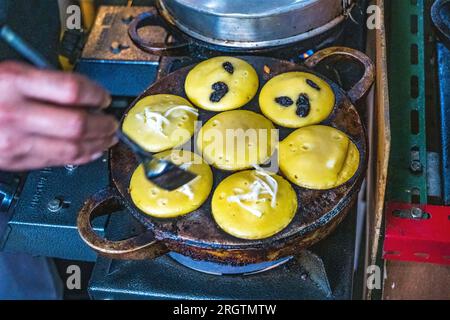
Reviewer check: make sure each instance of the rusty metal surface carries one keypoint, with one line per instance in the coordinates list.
(107, 37)
(197, 234)
(107, 201)
(361, 88)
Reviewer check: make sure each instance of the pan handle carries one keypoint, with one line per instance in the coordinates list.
(364, 84)
(107, 201)
(151, 18)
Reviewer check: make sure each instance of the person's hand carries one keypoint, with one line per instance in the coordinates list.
(44, 118)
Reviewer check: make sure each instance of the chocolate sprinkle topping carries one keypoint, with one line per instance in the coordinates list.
(312, 84)
(220, 90)
(303, 105)
(228, 67)
(284, 101)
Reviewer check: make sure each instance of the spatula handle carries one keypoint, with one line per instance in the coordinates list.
(136, 148)
(23, 48)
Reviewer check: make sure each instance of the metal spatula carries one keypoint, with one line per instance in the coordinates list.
(165, 174)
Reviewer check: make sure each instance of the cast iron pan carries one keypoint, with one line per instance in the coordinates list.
(196, 234)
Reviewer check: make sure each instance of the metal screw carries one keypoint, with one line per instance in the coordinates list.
(304, 276)
(117, 47)
(416, 213)
(54, 205)
(70, 167)
(127, 18)
(416, 166)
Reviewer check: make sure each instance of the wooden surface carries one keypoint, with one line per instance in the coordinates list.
(416, 281)
(383, 137)
(380, 142)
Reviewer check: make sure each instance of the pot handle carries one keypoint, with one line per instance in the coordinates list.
(107, 201)
(364, 84)
(151, 18)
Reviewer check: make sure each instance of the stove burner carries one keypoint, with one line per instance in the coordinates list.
(220, 269)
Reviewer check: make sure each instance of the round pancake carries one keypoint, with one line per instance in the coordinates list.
(160, 122)
(236, 140)
(237, 213)
(318, 157)
(161, 203)
(221, 83)
(296, 99)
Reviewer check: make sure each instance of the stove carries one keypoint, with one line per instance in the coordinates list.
(325, 271)
(45, 210)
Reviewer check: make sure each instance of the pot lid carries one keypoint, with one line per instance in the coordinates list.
(253, 23)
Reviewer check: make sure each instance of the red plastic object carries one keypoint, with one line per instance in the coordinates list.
(426, 239)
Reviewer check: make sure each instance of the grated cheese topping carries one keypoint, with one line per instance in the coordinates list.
(153, 120)
(253, 211)
(185, 108)
(259, 187)
(273, 184)
(156, 120)
(186, 189)
(185, 165)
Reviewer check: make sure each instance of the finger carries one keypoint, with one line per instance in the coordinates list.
(68, 89)
(37, 152)
(67, 123)
(63, 152)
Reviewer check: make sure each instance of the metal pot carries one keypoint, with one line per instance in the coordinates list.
(253, 26)
(196, 234)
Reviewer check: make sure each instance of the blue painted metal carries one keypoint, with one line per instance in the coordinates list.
(444, 93)
(164, 278)
(35, 229)
(120, 78)
(23, 276)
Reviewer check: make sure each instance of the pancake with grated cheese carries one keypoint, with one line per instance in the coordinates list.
(253, 204)
(160, 122)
